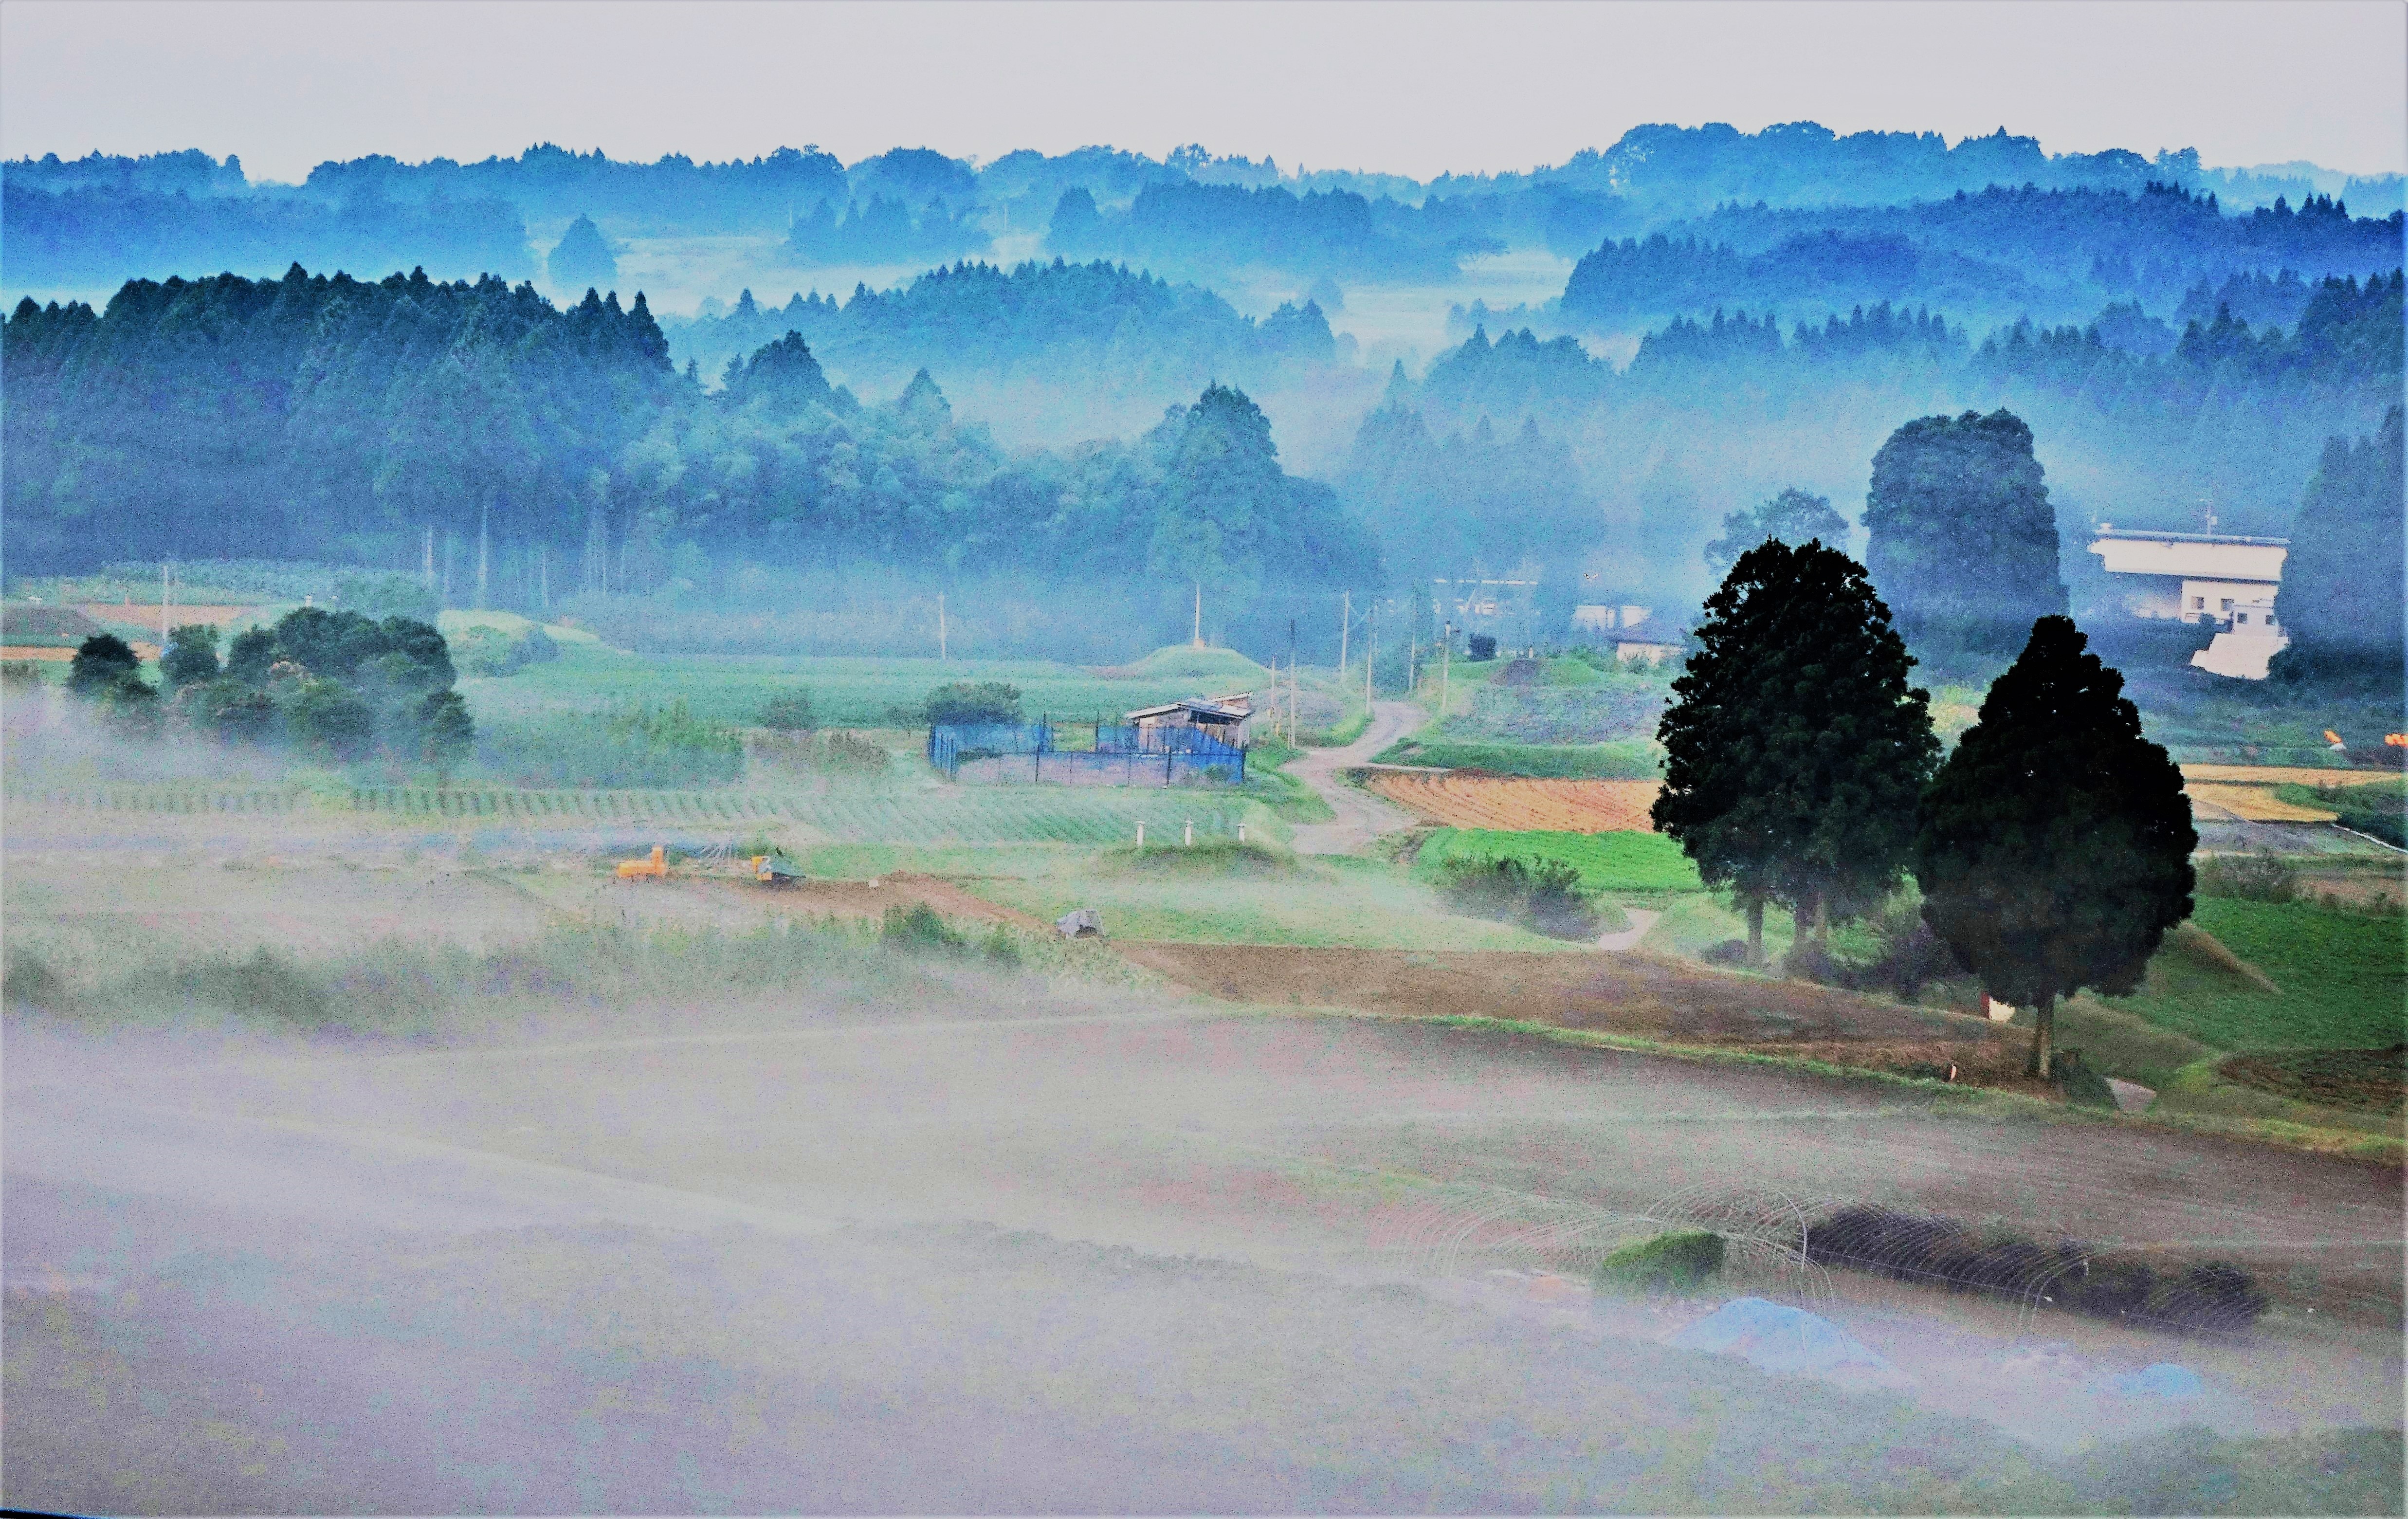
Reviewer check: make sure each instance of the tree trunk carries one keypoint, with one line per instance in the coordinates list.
(1822, 919)
(1755, 931)
(2043, 1035)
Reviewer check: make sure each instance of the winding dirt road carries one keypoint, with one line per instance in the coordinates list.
(1362, 818)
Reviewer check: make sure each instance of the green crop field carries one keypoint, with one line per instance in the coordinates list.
(1607, 862)
(2344, 979)
(1624, 759)
(846, 692)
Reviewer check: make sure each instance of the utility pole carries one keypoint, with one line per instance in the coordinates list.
(163, 594)
(1200, 614)
(940, 627)
(426, 568)
(1345, 615)
(1291, 683)
(544, 579)
(1445, 662)
(1370, 656)
(484, 549)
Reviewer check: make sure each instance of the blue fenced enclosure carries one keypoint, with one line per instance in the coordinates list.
(1121, 755)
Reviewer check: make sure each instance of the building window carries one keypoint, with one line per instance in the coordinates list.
(2241, 617)
(2199, 603)
(2228, 605)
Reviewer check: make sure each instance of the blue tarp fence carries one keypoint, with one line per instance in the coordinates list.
(1157, 756)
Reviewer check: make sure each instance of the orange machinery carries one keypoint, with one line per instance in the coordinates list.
(654, 869)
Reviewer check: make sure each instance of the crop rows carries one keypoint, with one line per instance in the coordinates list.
(966, 815)
(182, 799)
(1465, 801)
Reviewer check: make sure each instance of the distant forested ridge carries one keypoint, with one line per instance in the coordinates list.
(329, 417)
(1338, 232)
(548, 180)
(98, 233)
(1064, 323)
(2044, 253)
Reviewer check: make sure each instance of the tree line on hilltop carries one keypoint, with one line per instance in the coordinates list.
(318, 416)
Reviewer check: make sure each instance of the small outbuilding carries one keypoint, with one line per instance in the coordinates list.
(1229, 719)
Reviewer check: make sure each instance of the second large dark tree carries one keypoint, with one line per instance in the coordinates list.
(1794, 748)
(2053, 848)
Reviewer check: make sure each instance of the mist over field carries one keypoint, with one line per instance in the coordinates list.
(1089, 832)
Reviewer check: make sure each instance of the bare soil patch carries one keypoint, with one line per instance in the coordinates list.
(1488, 801)
(2363, 1078)
(1640, 995)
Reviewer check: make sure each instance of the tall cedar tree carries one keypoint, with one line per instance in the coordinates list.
(2341, 599)
(2054, 847)
(1960, 535)
(1794, 748)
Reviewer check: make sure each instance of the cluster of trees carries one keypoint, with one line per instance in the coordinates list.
(548, 181)
(1467, 499)
(315, 416)
(331, 684)
(2052, 847)
(1066, 323)
(2343, 600)
(330, 416)
(880, 230)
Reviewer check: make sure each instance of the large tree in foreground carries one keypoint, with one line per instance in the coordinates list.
(2054, 847)
(1960, 537)
(1794, 748)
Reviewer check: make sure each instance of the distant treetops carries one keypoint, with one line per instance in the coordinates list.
(1960, 535)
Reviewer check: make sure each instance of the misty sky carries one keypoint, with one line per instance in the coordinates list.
(1411, 88)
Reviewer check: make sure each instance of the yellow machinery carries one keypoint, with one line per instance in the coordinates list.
(654, 869)
(769, 870)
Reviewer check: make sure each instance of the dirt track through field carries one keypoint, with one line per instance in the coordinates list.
(1362, 818)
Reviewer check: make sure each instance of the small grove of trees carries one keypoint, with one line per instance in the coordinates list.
(329, 683)
(1793, 747)
(1961, 539)
(2054, 847)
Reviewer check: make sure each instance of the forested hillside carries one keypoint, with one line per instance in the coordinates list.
(328, 417)
(1058, 322)
(1997, 254)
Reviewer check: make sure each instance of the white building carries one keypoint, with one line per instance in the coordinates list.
(2204, 578)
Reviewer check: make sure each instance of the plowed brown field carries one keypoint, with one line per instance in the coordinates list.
(1481, 801)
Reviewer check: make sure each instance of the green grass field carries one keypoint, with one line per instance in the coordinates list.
(1624, 759)
(2344, 979)
(846, 692)
(1607, 862)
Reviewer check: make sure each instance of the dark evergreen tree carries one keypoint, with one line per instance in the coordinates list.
(2054, 847)
(2341, 598)
(1793, 747)
(101, 662)
(1793, 516)
(1962, 541)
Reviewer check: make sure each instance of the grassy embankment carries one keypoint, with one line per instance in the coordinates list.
(1576, 717)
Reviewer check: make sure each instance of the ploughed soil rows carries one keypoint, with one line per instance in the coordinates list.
(1638, 995)
(1488, 801)
(2371, 1079)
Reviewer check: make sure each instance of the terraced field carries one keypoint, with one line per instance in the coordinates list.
(985, 814)
(1463, 801)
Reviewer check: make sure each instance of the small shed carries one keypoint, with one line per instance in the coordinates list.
(1231, 719)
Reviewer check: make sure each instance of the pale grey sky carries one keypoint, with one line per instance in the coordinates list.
(1415, 87)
